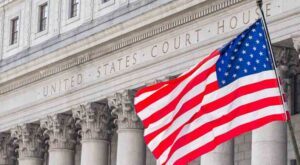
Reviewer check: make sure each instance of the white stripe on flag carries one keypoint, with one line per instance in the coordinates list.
(214, 115)
(246, 80)
(191, 94)
(159, 104)
(223, 129)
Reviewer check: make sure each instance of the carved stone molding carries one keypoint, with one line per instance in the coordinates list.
(61, 131)
(111, 47)
(94, 120)
(122, 107)
(296, 41)
(287, 61)
(29, 139)
(6, 149)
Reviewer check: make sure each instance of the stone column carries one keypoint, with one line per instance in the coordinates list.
(93, 118)
(61, 132)
(6, 149)
(222, 155)
(131, 147)
(269, 143)
(29, 139)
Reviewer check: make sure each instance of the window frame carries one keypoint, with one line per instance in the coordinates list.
(104, 4)
(74, 7)
(14, 30)
(293, 162)
(43, 12)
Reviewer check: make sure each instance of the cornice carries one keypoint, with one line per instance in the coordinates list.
(109, 48)
(5, 2)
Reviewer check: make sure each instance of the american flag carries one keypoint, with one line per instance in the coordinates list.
(232, 91)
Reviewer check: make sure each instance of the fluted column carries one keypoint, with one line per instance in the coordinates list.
(222, 155)
(93, 118)
(29, 139)
(6, 149)
(131, 146)
(61, 132)
(269, 143)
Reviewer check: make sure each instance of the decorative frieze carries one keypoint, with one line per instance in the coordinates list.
(94, 120)
(29, 139)
(122, 107)
(60, 129)
(6, 149)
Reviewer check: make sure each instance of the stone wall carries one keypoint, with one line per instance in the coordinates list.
(242, 149)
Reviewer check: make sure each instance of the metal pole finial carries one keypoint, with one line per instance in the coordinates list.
(259, 3)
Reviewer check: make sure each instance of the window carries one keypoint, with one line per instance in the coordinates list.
(43, 16)
(295, 92)
(104, 1)
(74, 7)
(293, 162)
(14, 31)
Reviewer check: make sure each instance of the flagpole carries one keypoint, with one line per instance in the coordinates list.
(290, 126)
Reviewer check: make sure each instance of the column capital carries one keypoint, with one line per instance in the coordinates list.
(94, 120)
(122, 106)
(296, 41)
(287, 61)
(29, 139)
(60, 128)
(6, 148)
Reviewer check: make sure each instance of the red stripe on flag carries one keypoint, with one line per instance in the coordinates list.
(171, 106)
(207, 127)
(244, 90)
(228, 136)
(185, 107)
(180, 78)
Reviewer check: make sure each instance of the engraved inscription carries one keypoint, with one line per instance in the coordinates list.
(63, 85)
(132, 58)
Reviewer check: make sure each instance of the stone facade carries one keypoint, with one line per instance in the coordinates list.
(66, 93)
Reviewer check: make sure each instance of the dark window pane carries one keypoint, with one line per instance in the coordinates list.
(43, 17)
(293, 162)
(14, 30)
(296, 95)
(74, 8)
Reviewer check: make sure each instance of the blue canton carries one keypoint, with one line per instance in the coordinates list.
(247, 54)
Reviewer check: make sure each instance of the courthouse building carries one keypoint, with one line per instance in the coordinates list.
(69, 70)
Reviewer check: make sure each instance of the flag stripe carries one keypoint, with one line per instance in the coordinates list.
(225, 128)
(255, 78)
(223, 119)
(181, 88)
(227, 136)
(246, 89)
(189, 89)
(143, 96)
(206, 113)
(214, 95)
(180, 78)
(184, 107)
(232, 91)
(162, 97)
